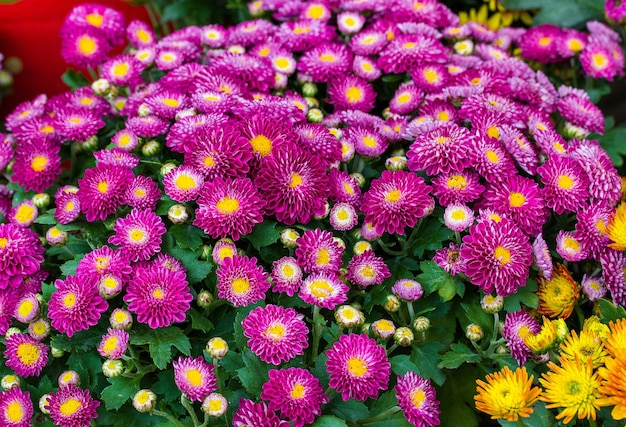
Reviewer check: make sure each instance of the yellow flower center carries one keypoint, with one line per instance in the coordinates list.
(282, 63)
(431, 75)
(393, 196)
(215, 405)
(502, 254)
(102, 262)
(144, 36)
(456, 182)
(565, 182)
(240, 286)
(261, 145)
(418, 397)
(87, 45)
(275, 331)
(367, 271)
(544, 41)
(288, 270)
(28, 353)
(226, 252)
(571, 243)
(39, 163)
(69, 300)
(296, 180)
(321, 289)
(357, 367)
(598, 60)
(25, 308)
(492, 156)
(323, 257)
(120, 69)
(328, 57)
(354, 94)
(137, 235)
(408, 45)
(170, 102)
(575, 45)
(46, 129)
(297, 392)
(342, 215)
(24, 213)
(194, 377)
(493, 132)
(120, 317)
(142, 397)
(185, 182)
(3, 242)
(458, 215)
(103, 187)
(15, 412)
(94, 19)
(158, 293)
(227, 205)
(70, 406)
(110, 344)
(516, 199)
(368, 141)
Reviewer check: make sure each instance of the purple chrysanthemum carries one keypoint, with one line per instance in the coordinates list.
(296, 393)
(139, 234)
(542, 257)
(101, 190)
(67, 208)
(8, 300)
(256, 414)
(518, 325)
(344, 188)
(407, 289)
(598, 60)
(493, 162)
(21, 254)
(323, 290)
(367, 141)
(166, 103)
(317, 252)
(241, 281)
(406, 99)
(116, 157)
(125, 139)
(458, 217)
(25, 355)
(409, 50)
(343, 217)
(77, 124)
(276, 334)
(593, 287)
(183, 183)
(113, 344)
(540, 43)
(319, 141)
(142, 193)
(367, 269)
(37, 164)
(581, 112)
(16, 408)
(450, 259)
(195, 378)
(84, 46)
(351, 93)
(326, 62)
(565, 183)
(368, 42)
(457, 187)
(570, 246)
(147, 126)
(358, 367)
(253, 71)
(266, 135)
(72, 406)
(140, 34)
(418, 400)
(430, 77)
(613, 264)
(591, 227)
(396, 200)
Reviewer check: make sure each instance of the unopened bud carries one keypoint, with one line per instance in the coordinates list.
(491, 304)
(41, 200)
(144, 400)
(383, 329)
(403, 336)
(101, 87)
(68, 378)
(396, 163)
(315, 115)
(167, 168)
(56, 352)
(151, 148)
(39, 329)
(215, 405)
(205, 299)
(43, 403)
(359, 178)
(11, 331)
(56, 237)
(348, 316)
(421, 324)
(474, 332)
(392, 303)
(288, 237)
(121, 319)
(9, 381)
(224, 248)
(178, 213)
(110, 286)
(312, 102)
(112, 368)
(309, 89)
(217, 347)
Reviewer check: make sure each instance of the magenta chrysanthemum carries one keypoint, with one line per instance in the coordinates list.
(418, 400)
(229, 208)
(367, 269)
(183, 183)
(77, 124)
(113, 344)
(396, 200)
(25, 355)
(256, 414)
(344, 188)
(565, 183)
(296, 393)
(8, 300)
(241, 281)
(542, 257)
(517, 325)
(409, 50)
(76, 304)
(317, 252)
(286, 276)
(84, 47)
(457, 187)
(358, 367)
(72, 406)
(116, 157)
(316, 139)
(139, 234)
(351, 93)
(323, 290)
(325, 62)
(21, 254)
(276, 334)
(101, 190)
(195, 378)
(497, 256)
(37, 164)
(103, 261)
(142, 193)
(16, 408)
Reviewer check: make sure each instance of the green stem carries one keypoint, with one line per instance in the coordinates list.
(520, 422)
(169, 417)
(378, 417)
(593, 423)
(92, 73)
(189, 408)
(205, 422)
(409, 306)
(388, 250)
(392, 348)
(317, 332)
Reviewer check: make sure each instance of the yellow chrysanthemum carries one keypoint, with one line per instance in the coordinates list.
(558, 297)
(585, 346)
(544, 340)
(593, 324)
(507, 395)
(500, 17)
(613, 387)
(615, 342)
(572, 386)
(616, 229)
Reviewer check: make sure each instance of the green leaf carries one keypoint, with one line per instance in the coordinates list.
(610, 312)
(263, 234)
(600, 89)
(197, 269)
(46, 219)
(88, 366)
(426, 358)
(69, 267)
(120, 390)
(80, 342)
(232, 362)
(431, 236)
(187, 236)
(199, 321)
(329, 421)
(434, 278)
(166, 386)
(526, 295)
(74, 79)
(320, 371)
(564, 13)
(254, 373)
(350, 410)
(459, 354)
(457, 398)
(160, 342)
(613, 143)
(401, 364)
(542, 417)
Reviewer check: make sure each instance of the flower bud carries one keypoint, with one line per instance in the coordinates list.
(43, 403)
(9, 381)
(217, 347)
(386, 113)
(491, 304)
(215, 405)
(101, 87)
(224, 248)
(361, 246)
(340, 242)
(421, 324)
(112, 368)
(27, 308)
(56, 237)
(151, 148)
(90, 144)
(144, 400)
(365, 329)
(309, 89)
(396, 163)
(288, 237)
(474, 332)
(11, 331)
(571, 131)
(315, 115)
(464, 47)
(349, 317)
(501, 349)
(69, 378)
(56, 352)
(6, 79)
(392, 303)
(39, 329)
(359, 178)
(383, 329)
(121, 319)
(187, 112)
(109, 286)
(143, 110)
(561, 330)
(403, 336)
(312, 102)
(167, 168)
(41, 200)
(178, 213)
(205, 299)
(206, 252)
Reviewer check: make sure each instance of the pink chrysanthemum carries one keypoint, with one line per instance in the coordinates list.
(276, 334)
(524, 153)
(123, 70)
(302, 35)
(457, 187)
(77, 124)
(365, 68)
(367, 269)
(367, 141)
(142, 193)
(430, 77)
(76, 304)
(598, 61)
(256, 414)
(351, 93)
(518, 325)
(230, 207)
(71, 406)
(101, 190)
(286, 275)
(449, 148)
(591, 228)
(493, 162)
(23, 214)
(250, 32)
(140, 34)
(139, 234)
(266, 135)
(593, 287)
(108, 21)
(296, 393)
(37, 164)
(159, 296)
(25, 355)
(368, 42)
(406, 99)
(8, 300)
(458, 217)
(116, 157)
(450, 259)
(613, 264)
(21, 254)
(125, 139)
(343, 217)
(166, 103)
(195, 378)
(396, 200)
(294, 184)
(409, 50)
(344, 188)
(16, 408)
(570, 246)
(497, 257)
(323, 290)
(565, 183)
(113, 344)
(418, 400)
(147, 126)
(540, 43)
(317, 252)
(183, 183)
(255, 72)
(317, 139)
(542, 257)
(84, 46)
(407, 289)
(358, 367)
(241, 281)
(581, 112)
(326, 62)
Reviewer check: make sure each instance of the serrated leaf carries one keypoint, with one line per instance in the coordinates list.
(232, 362)
(263, 234)
(199, 321)
(526, 295)
(609, 311)
(434, 278)
(459, 354)
(254, 373)
(69, 267)
(426, 358)
(329, 421)
(401, 364)
(350, 410)
(46, 219)
(166, 387)
(120, 390)
(80, 342)
(160, 342)
(187, 236)
(88, 366)
(431, 236)
(197, 269)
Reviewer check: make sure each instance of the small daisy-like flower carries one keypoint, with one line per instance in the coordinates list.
(542, 257)
(598, 61)
(142, 193)
(593, 287)
(147, 126)
(506, 394)
(351, 93)
(317, 252)
(23, 214)
(84, 47)
(430, 77)
(101, 190)
(139, 234)
(406, 99)
(230, 207)
(241, 281)
(325, 62)
(396, 200)
(276, 334)
(418, 400)
(585, 346)
(159, 296)
(266, 135)
(37, 165)
(76, 304)
(72, 406)
(183, 183)
(125, 139)
(344, 188)
(367, 269)
(27, 308)
(365, 68)
(580, 111)
(286, 275)
(573, 386)
(113, 344)
(116, 157)
(368, 42)
(565, 184)
(367, 141)
(540, 43)
(450, 259)
(195, 378)
(323, 290)
(517, 326)
(350, 22)
(409, 50)
(256, 414)
(140, 34)
(458, 217)
(358, 367)
(25, 355)
(16, 408)
(570, 246)
(319, 141)
(296, 393)
(457, 187)
(224, 248)
(558, 296)
(77, 124)
(166, 103)
(104, 261)
(407, 289)
(343, 217)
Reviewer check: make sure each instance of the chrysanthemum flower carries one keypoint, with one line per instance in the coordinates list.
(255, 72)
(396, 200)
(358, 367)
(592, 228)
(565, 184)
(16, 408)
(116, 157)
(449, 259)
(286, 275)
(21, 254)
(458, 217)
(418, 400)
(294, 184)
(586, 346)
(76, 304)
(368, 42)
(367, 141)
(317, 252)
(147, 126)
(101, 190)
(77, 124)
(8, 299)
(517, 326)
(27, 308)
(256, 414)
(229, 207)
(343, 217)
(72, 406)
(351, 93)
(558, 296)
(142, 193)
(506, 394)
(37, 164)
(593, 287)
(409, 50)
(542, 257)
(326, 62)
(158, 296)
(616, 229)
(406, 99)
(195, 378)
(25, 355)
(344, 188)
(319, 141)
(183, 183)
(570, 246)
(23, 214)
(598, 61)
(241, 281)
(296, 393)
(540, 43)
(613, 375)
(104, 19)
(367, 269)
(140, 34)
(84, 47)
(276, 334)
(572, 386)
(266, 135)
(139, 234)
(113, 344)
(457, 187)
(323, 290)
